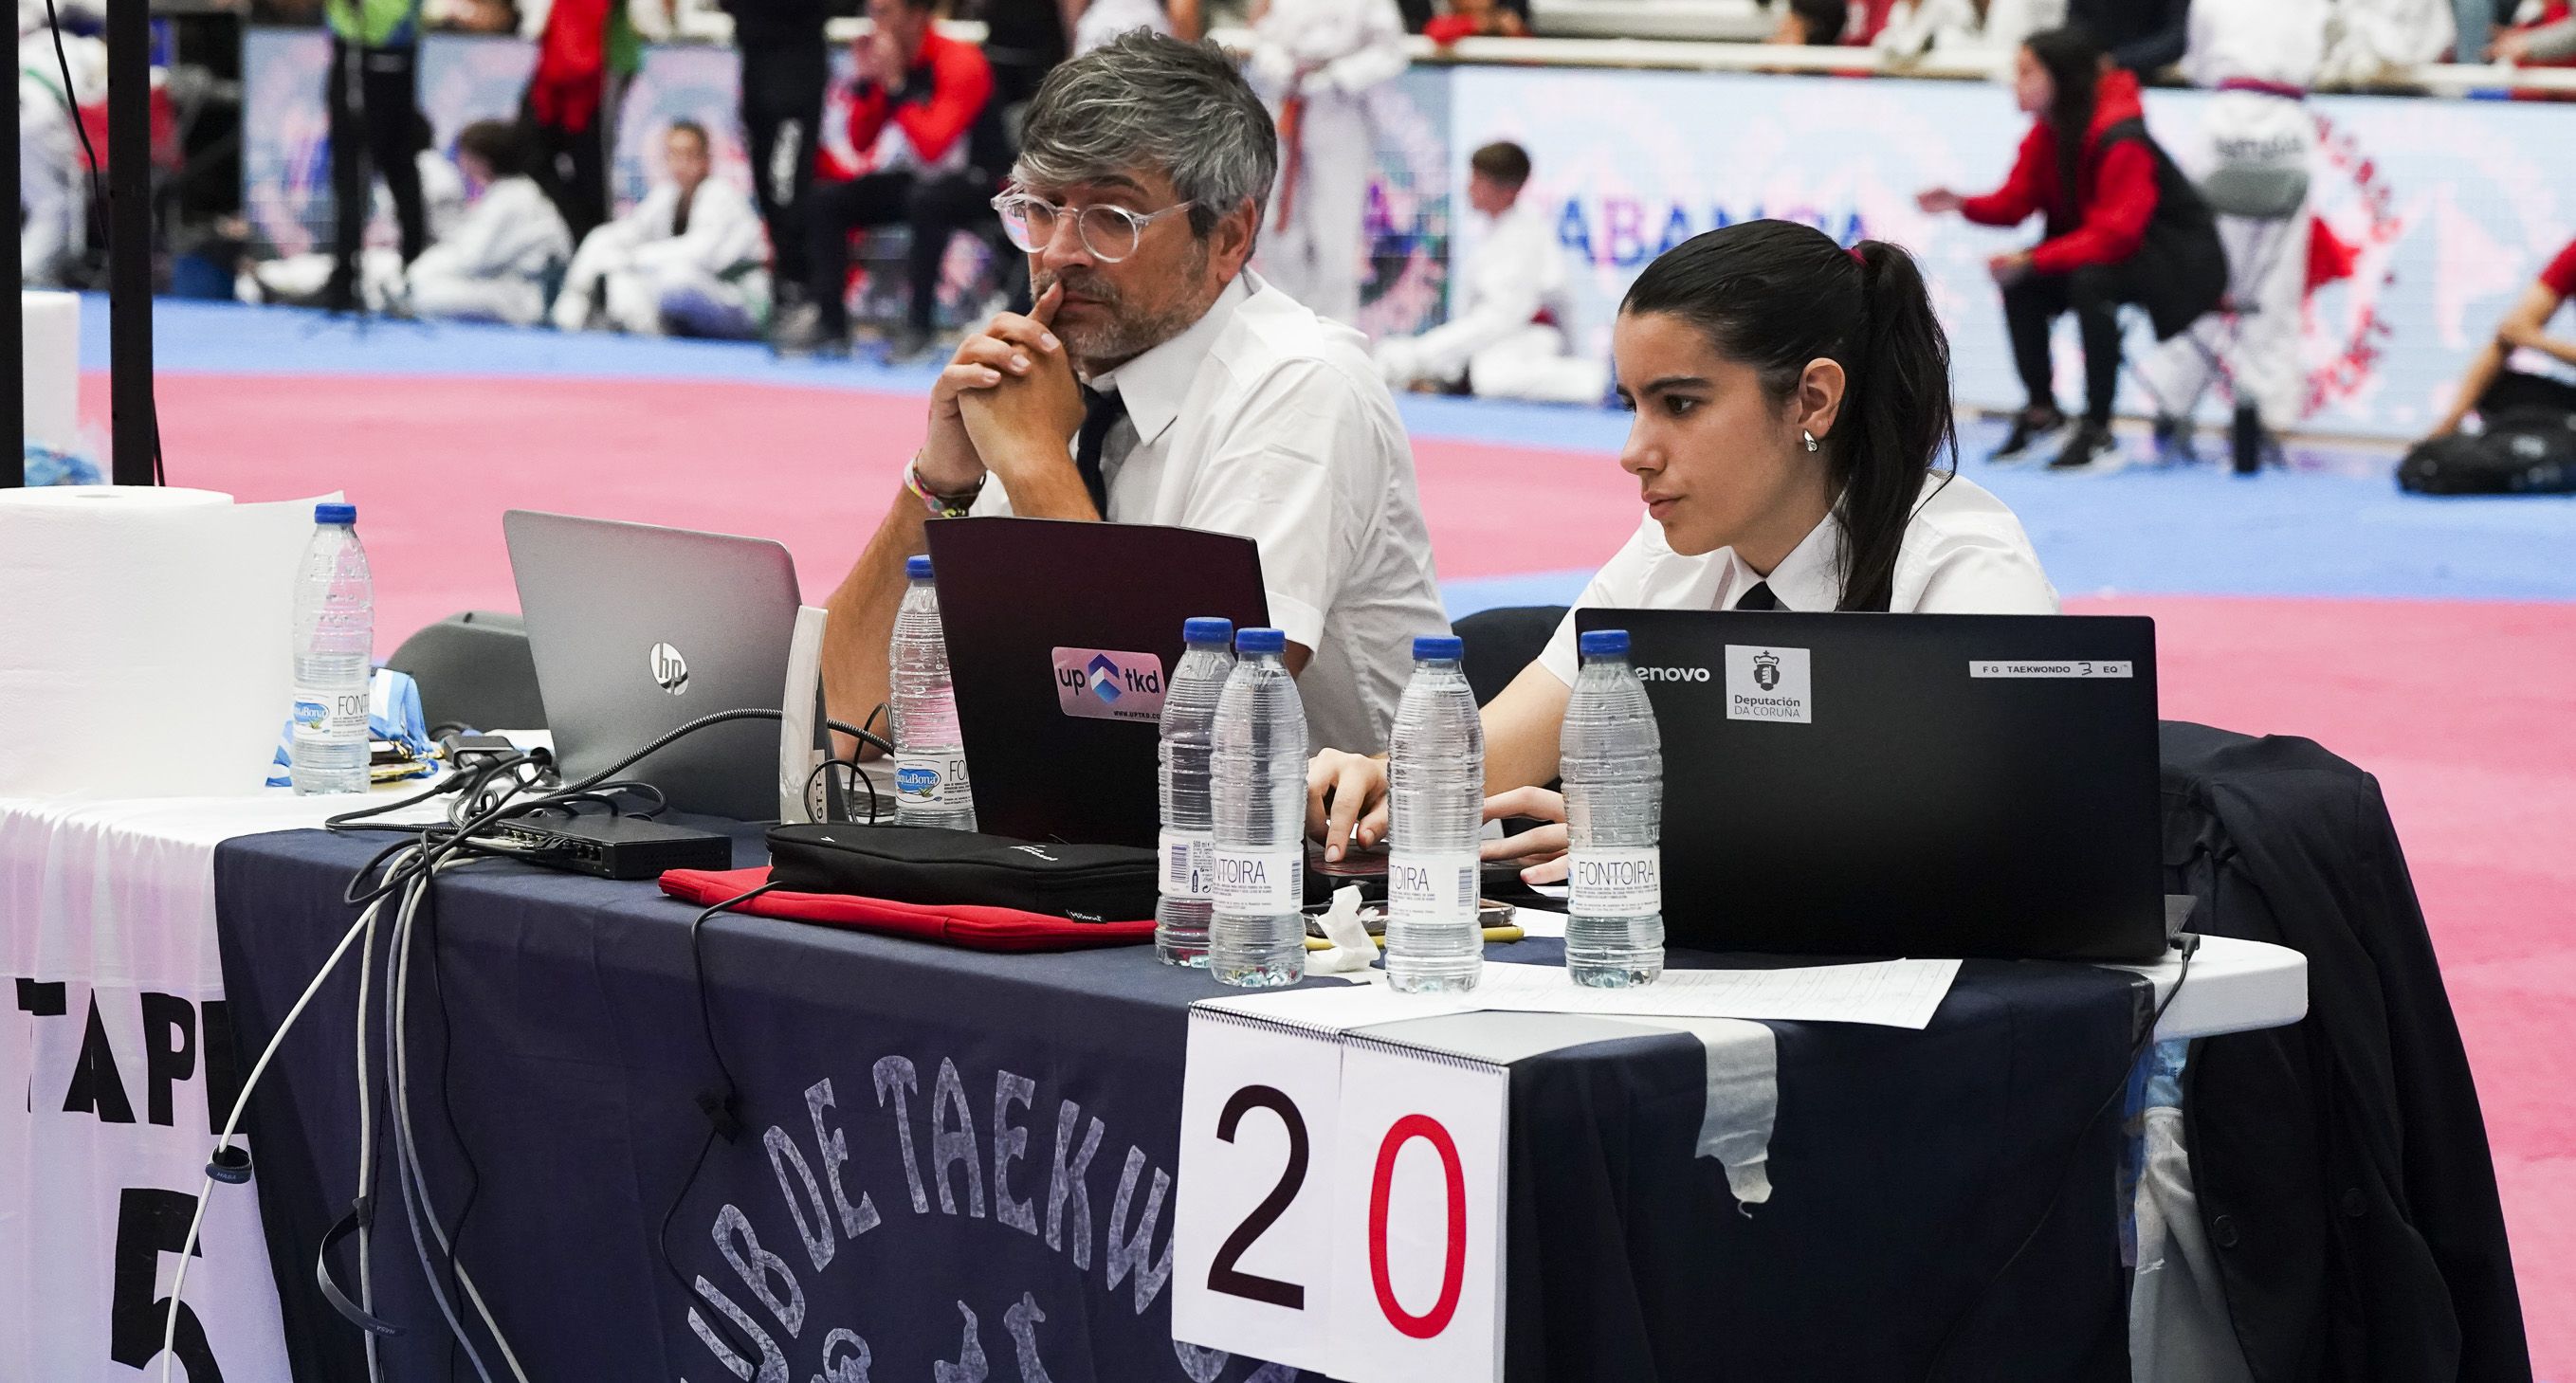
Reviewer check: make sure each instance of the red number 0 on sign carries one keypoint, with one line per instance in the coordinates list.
(1453, 1262)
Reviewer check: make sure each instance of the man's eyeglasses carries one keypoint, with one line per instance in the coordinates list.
(1110, 233)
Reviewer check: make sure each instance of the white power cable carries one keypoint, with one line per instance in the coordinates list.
(366, 1150)
(232, 1122)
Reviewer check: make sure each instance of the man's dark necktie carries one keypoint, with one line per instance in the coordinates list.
(1101, 411)
(1759, 598)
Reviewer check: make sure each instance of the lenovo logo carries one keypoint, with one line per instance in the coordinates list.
(1672, 674)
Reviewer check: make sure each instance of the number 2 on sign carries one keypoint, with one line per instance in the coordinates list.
(1223, 1275)
(1453, 1261)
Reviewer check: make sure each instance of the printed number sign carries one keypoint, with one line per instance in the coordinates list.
(1341, 1204)
(1418, 1263)
(1257, 1111)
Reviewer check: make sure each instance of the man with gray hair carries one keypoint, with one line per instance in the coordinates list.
(1158, 381)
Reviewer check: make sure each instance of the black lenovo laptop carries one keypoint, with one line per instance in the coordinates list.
(1906, 785)
(1060, 638)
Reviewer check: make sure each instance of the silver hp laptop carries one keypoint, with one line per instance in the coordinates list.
(637, 630)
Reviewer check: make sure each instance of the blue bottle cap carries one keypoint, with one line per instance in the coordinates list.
(1437, 647)
(1603, 643)
(917, 568)
(335, 513)
(1252, 641)
(1207, 629)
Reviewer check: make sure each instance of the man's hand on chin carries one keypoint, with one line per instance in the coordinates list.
(1009, 347)
(1023, 423)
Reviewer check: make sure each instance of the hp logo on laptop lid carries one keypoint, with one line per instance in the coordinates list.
(670, 670)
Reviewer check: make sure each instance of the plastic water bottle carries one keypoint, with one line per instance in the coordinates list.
(335, 641)
(1612, 759)
(1435, 813)
(1189, 737)
(930, 784)
(1257, 929)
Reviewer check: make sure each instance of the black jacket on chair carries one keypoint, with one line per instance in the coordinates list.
(2341, 1163)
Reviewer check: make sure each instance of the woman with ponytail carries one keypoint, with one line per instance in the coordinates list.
(1792, 403)
(2123, 226)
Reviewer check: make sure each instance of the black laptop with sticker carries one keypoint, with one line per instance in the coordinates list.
(1906, 785)
(1060, 637)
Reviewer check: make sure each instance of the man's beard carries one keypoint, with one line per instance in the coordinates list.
(1117, 332)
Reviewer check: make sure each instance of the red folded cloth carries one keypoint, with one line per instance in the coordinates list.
(975, 928)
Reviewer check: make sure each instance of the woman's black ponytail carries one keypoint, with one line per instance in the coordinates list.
(1776, 295)
(1896, 421)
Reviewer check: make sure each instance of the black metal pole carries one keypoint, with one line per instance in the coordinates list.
(13, 341)
(129, 238)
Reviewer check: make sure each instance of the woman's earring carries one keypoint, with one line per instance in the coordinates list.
(1811, 438)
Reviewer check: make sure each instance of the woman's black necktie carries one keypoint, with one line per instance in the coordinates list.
(1759, 598)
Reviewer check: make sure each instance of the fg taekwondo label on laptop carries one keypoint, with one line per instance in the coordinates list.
(1106, 684)
(1769, 684)
(2073, 672)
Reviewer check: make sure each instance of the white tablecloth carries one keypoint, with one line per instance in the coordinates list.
(107, 931)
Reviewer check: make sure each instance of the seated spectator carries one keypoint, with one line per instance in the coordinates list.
(2124, 232)
(1098, 21)
(2490, 387)
(1917, 27)
(929, 160)
(496, 264)
(686, 260)
(1476, 19)
(1814, 23)
(1512, 336)
(2375, 41)
(304, 279)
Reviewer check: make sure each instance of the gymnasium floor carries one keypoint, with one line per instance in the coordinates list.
(2432, 642)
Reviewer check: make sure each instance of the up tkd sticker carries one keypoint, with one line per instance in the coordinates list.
(1106, 684)
(1767, 683)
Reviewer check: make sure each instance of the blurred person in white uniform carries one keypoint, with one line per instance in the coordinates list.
(2371, 41)
(302, 278)
(686, 260)
(53, 172)
(1918, 27)
(1513, 337)
(1098, 21)
(495, 265)
(2260, 57)
(1314, 63)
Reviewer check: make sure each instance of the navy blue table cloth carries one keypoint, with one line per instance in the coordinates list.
(953, 1167)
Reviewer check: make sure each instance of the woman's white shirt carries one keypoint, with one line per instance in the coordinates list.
(1964, 553)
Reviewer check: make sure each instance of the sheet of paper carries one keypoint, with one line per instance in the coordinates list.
(1889, 993)
(1340, 1009)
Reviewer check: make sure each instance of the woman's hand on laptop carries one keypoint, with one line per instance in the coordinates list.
(1542, 850)
(1345, 792)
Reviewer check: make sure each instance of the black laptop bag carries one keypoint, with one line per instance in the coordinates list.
(913, 864)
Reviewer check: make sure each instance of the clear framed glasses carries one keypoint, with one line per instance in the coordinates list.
(1110, 233)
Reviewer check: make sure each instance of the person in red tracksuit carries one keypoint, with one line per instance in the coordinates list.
(930, 156)
(2085, 262)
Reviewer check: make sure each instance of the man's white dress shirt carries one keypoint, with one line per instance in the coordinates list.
(1963, 554)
